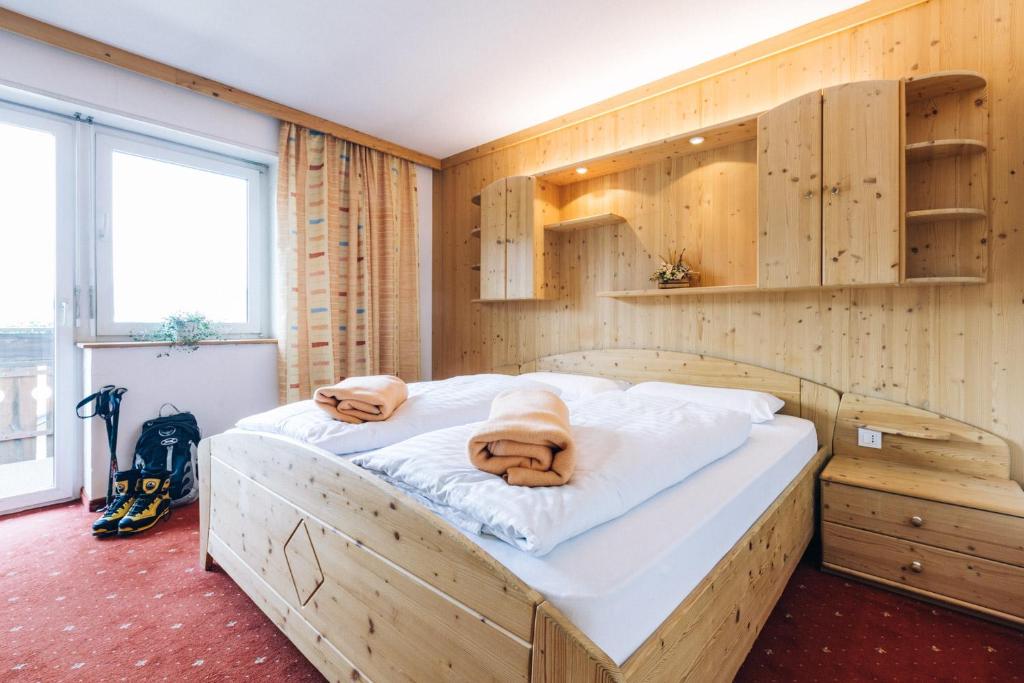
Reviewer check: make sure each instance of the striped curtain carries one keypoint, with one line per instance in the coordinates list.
(348, 262)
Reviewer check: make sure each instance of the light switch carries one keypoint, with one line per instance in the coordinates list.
(869, 438)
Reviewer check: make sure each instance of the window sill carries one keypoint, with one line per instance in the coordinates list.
(142, 344)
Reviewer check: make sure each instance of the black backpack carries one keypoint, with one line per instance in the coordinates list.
(169, 443)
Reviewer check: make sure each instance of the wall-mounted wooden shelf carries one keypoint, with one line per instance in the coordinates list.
(475, 266)
(475, 199)
(586, 222)
(475, 232)
(938, 149)
(945, 280)
(943, 83)
(718, 135)
(939, 215)
(743, 289)
(680, 291)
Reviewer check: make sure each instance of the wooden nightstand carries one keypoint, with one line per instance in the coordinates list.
(932, 513)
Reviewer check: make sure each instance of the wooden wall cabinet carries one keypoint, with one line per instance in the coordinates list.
(862, 161)
(789, 194)
(513, 212)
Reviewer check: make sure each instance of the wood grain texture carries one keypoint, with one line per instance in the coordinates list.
(991, 535)
(493, 222)
(388, 623)
(563, 654)
(972, 580)
(379, 517)
(952, 350)
(994, 494)
(920, 438)
(94, 49)
(862, 157)
(789, 167)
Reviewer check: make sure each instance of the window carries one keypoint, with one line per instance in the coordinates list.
(177, 230)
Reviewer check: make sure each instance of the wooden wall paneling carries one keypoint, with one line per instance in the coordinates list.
(789, 194)
(862, 157)
(948, 349)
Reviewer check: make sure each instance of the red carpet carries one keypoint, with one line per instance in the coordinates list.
(77, 609)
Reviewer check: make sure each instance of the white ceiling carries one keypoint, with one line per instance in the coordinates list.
(437, 76)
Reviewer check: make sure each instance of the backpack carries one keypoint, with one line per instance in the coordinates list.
(169, 443)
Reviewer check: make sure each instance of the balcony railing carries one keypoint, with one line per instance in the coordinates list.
(26, 394)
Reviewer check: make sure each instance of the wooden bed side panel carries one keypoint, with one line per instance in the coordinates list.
(708, 636)
(920, 438)
(388, 624)
(310, 642)
(646, 365)
(385, 520)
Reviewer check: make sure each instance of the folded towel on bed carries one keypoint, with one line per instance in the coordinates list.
(628, 448)
(362, 399)
(526, 439)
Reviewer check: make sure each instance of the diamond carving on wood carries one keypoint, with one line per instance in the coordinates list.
(303, 563)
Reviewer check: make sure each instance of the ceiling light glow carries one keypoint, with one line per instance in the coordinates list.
(696, 140)
(581, 169)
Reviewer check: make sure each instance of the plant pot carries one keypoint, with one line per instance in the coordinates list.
(673, 284)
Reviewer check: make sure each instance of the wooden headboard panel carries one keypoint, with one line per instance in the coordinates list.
(918, 437)
(806, 399)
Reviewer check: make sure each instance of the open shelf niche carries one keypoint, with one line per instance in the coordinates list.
(695, 191)
(946, 179)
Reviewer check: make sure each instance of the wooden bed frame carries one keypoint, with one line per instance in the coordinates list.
(368, 584)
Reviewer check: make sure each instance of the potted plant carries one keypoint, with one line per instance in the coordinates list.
(184, 331)
(675, 272)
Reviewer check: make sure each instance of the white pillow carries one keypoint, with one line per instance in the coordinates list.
(575, 386)
(760, 406)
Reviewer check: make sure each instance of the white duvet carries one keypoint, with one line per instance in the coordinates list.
(629, 447)
(431, 405)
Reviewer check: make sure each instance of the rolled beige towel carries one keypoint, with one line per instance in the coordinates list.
(362, 399)
(527, 439)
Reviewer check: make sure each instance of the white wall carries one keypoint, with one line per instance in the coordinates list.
(98, 88)
(219, 384)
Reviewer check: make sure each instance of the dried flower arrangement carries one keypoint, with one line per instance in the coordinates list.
(674, 271)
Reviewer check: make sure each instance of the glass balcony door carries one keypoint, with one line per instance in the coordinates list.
(37, 171)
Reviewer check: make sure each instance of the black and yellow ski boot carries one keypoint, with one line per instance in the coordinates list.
(152, 503)
(124, 496)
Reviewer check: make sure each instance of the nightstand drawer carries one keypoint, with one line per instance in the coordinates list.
(975, 532)
(939, 573)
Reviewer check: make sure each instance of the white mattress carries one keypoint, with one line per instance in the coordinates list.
(619, 581)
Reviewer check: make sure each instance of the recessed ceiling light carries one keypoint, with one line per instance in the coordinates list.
(696, 140)
(581, 169)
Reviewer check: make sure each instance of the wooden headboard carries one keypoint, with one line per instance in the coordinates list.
(809, 400)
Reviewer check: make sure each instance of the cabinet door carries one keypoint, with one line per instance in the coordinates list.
(789, 194)
(492, 240)
(862, 151)
(521, 275)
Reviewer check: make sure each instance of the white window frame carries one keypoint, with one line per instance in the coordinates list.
(67, 467)
(106, 141)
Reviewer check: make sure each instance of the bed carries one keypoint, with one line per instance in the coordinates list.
(369, 584)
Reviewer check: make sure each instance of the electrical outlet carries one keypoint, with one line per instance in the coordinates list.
(869, 438)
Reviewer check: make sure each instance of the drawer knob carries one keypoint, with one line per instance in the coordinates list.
(916, 566)
(917, 521)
